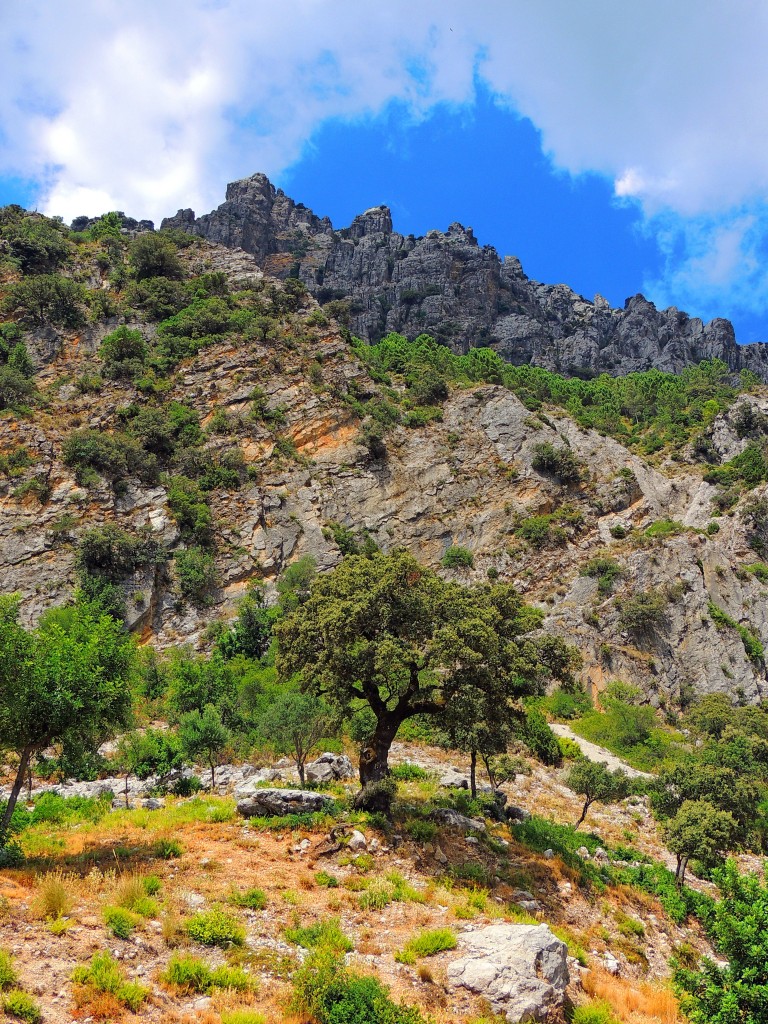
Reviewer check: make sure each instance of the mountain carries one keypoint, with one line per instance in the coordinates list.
(447, 285)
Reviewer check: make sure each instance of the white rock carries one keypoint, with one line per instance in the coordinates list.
(357, 841)
(521, 970)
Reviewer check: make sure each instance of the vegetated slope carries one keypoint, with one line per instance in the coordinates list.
(463, 293)
(229, 426)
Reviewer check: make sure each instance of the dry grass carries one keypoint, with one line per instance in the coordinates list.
(632, 1002)
(53, 898)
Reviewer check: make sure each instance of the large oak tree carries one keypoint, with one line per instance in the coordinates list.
(386, 632)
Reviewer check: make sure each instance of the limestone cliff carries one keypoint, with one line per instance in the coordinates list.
(448, 285)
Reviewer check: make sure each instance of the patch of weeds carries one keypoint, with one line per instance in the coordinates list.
(215, 928)
(252, 899)
(59, 926)
(8, 976)
(594, 1012)
(121, 922)
(407, 772)
(575, 949)
(242, 1016)
(104, 974)
(326, 880)
(422, 831)
(363, 862)
(168, 849)
(326, 933)
(427, 943)
(191, 974)
(628, 926)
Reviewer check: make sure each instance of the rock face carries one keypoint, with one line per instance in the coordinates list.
(521, 969)
(447, 285)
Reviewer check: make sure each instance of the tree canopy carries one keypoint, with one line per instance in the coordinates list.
(64, 683)
(386, 632)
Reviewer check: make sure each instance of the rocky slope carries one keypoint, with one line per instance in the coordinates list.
(466, 479)
(447, 285)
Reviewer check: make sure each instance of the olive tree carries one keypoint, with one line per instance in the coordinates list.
(595, 782)
(386, 632)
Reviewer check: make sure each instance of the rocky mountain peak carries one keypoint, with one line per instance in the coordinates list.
(448, 285)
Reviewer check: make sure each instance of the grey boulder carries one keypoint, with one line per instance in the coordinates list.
(451, 818)
(521, 969)
(330, 768)
(281, 801)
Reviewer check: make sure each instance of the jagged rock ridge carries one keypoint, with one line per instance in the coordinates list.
(447, 285)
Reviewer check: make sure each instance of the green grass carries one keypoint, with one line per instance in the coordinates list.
(594, 1012)
(191, 974)
(427, 943)
(8, 976)
(326, 934)
(661, 744)
(252, 899)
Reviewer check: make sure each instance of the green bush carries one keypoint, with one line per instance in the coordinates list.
(422, 831)
(326, 880)
(104, 974)
(407, 772)
(253, 899)
(457, 558)
(642, 612)
(197, 575)
(154, 255)
(113, 554)
(124, 353)
(8, 976)
(189, 507)
(215, 928)
(561, 463)
(121, 922)
(47, 299)
(168, 849)
(749, 639)
(110, 455)
(605, 570)
(22, 1006)
(664, 528)
(594, 1012)
(325, 990)
(427, 943)
(16, 390)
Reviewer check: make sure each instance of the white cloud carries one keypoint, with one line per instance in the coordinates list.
(147, 107)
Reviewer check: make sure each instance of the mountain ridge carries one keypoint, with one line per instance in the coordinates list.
(464, 294)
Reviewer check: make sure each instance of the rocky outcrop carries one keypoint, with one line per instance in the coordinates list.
(330, 768)
(448, 285)
(522, 970)
(280, 802)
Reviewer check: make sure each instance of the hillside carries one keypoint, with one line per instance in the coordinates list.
(191, 449)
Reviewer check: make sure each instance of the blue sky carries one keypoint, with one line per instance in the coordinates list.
(613, 147)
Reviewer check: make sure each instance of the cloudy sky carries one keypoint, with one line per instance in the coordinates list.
(617, 147)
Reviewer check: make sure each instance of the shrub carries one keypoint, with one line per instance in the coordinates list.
(561, 463)
(325, 990)
(167, 849)
(605, 570)
(189, 507)
(642, 612)
(253, 899)
(326, 880)
(104, 974)
(53, 899)
(124, 352)
(594, 1012)
(15, 389)
(47, 299)
(242, 1017)
(422, 831)
(120, 921)
(21, 1005)
(8, 976)
(407, 772)
(113, 554)
(215, 928)
(154, 255)
(327, 934)
(457, 558)
(197, 575)
(110, 455)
